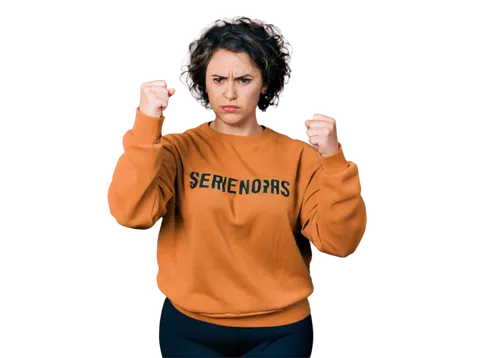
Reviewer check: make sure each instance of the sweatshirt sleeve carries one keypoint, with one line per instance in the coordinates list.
(143, 180)
(333, 213)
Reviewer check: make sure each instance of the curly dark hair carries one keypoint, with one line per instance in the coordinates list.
(264, 44)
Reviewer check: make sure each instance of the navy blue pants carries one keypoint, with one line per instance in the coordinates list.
(183, 336)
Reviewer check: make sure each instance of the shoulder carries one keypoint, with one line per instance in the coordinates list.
(181, 137)
(303, 148)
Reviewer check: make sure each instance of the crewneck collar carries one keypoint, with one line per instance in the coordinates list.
(212, 133)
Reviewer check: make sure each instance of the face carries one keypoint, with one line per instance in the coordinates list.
(232, 79)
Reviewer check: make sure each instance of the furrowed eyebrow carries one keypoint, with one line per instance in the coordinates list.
(247, 75)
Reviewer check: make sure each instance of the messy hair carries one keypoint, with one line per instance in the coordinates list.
(263, 43)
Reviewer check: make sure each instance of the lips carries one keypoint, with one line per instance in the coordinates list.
(229, 109)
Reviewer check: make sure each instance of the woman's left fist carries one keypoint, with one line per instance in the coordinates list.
(323, 133)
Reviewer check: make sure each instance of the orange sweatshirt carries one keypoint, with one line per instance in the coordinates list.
(238, 216)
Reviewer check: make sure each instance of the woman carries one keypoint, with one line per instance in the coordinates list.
(240, 203)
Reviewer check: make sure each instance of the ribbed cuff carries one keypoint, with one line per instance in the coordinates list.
(146, 127)
(334, 163)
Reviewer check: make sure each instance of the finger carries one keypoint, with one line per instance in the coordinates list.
(167, 92)
(161, 83)
(307, 122)
(323, 117)
(318, 123)
(158, 98)
(171, 91)
(318, 141)
(159, 91)
(314, 140)
(317, 132)
(319, 117)
(162, 99)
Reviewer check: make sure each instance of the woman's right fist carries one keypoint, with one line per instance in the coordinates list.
(154, 98)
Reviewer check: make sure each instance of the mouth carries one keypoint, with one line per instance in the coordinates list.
(230, 108)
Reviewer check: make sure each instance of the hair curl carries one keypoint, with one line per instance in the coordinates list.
(264, 44)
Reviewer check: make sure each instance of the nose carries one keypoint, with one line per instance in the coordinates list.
(230, 91)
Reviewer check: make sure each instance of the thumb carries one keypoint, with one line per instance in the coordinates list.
(171, 92)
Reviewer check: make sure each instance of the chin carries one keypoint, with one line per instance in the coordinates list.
(229, 118)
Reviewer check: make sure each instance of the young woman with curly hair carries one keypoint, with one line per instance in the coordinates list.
(240, 203)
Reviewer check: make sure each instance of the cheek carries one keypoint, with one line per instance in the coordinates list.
(253, 94)
(209, 89)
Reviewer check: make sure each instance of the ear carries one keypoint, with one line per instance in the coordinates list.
(263, 90)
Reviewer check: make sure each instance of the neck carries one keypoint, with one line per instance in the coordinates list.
(247, 127)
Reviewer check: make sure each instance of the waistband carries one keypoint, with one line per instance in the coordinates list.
(288, 315)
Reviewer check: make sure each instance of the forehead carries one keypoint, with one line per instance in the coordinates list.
(230, 62)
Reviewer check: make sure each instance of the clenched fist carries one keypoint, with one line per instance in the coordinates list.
(323, 133)
(154, 98)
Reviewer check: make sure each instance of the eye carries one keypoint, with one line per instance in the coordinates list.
(219, 80)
